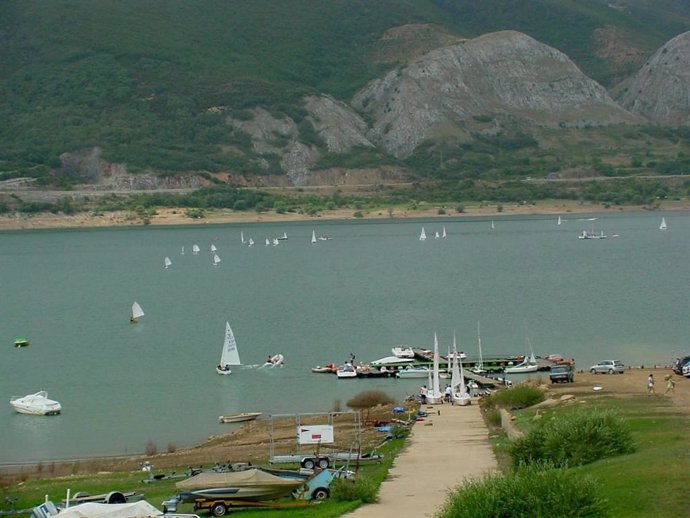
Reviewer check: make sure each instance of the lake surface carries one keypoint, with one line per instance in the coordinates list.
(371, 287)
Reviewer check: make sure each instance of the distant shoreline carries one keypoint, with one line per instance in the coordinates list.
(176, 216)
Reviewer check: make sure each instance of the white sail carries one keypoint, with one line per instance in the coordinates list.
(480, 365)
(167, 262)
(230, 355)
(195, 249)
(250, 242)
(216, 260)
(313, 237)
(437, 236)
(559, 220)
(137, 311)
(492, 225)
(268, 242)
(422, 236)
(182, 253)
(435, 395)
(460, 393)
(242, 237)
(663, 224)
(275, 241)
(443, 234)
(213, 248)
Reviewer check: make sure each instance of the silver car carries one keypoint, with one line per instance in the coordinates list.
(608, 367)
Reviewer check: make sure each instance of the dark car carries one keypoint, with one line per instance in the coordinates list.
(562, 373)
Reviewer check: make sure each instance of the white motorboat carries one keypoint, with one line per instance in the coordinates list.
(402, 351)
(251, 484)
(238, 418)
(346, 370)
(591, 235)
(36, 404)
(229, 354)
(137, 313)
(391, 360)
(413, 372)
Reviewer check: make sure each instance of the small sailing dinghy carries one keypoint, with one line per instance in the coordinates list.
(167, 262)
(422, 236)
(274, 361)
(195, 249)
(137, 313)
(216, 259)
(460, 394)
(182, 252)
(229, 354)
(663, 225)
(213, 249)
(313, 237)
(443, 234)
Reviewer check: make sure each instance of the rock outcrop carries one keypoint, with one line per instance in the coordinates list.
(660, 91)
(503, 73)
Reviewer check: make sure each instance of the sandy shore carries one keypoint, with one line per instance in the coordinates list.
(176, 216)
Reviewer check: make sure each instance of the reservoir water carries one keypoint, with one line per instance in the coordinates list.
(371, 287)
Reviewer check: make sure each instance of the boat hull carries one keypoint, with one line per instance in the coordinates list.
(521, 369)
(237, 418)
(36, 404)
(412, 373)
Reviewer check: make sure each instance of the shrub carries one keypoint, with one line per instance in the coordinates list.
(441, 211)
(358, 214)
(369, 399)
(520, 396)
(150, 449)
(574, 439)
(361, 488)
(172, 447)
(530, 491)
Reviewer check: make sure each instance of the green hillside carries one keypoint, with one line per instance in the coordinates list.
(138, 77)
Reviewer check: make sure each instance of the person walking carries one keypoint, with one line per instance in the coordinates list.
(670, 384)
(650, 384)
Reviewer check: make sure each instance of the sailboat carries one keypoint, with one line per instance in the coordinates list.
(213, 249)
(229, 354)
(268, 242)
(559, 220)
(492, 225)
(195, 249)
(275, 241)
(529, 364)
(216, 259)
(242, 238)
(457, 380)
(313, 237)
(283, 237)
(167, 262)
(422, 236)
(479, 368)
(137, 313)
(437, 236)
(182, 252)
(443, 234)
(663, 224)
(434, 395)
(250, 242)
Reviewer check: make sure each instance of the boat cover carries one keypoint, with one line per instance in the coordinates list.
(247, 478)
(141, 509)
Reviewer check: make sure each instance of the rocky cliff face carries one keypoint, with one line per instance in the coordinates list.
(499, 73)
(660, 91)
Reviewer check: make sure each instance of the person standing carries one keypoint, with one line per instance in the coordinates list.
(650, 384)
(670, 384)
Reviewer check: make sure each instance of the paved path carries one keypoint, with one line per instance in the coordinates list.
(441, 452)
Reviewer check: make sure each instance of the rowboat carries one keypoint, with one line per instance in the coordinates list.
(236, 418)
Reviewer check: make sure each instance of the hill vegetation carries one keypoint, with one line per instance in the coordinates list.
(152, 84)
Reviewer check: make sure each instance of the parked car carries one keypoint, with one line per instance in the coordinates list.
(680, 364)
(562, 373)
(608, 367)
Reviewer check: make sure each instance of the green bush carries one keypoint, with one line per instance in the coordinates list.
(361, 488)
(520, 396)
(574, 439)
(534, 491)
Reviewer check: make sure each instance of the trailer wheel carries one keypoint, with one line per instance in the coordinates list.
(324, 463)
(320, 493)
(219, 509)
(308, 464)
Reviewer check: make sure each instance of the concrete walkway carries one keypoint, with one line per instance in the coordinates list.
(441, 452)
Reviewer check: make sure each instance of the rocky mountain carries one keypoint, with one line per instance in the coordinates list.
(660, 91)
(506, 73)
